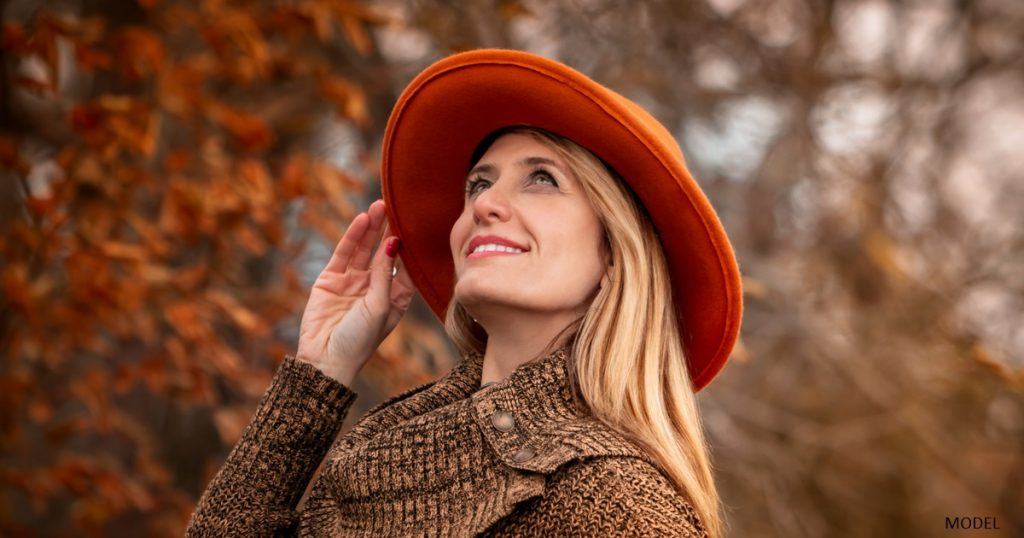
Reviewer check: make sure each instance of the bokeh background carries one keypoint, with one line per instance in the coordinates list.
(175, 175)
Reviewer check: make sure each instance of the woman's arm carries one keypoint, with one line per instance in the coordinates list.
(354, 304)
(266, 473)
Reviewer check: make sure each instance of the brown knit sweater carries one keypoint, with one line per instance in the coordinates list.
(515, 458)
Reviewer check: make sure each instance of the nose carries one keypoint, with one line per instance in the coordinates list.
(491, 203)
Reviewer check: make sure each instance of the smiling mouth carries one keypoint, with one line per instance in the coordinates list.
(489, 253)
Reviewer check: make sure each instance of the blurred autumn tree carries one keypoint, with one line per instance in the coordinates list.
(161, 183)
(178, 172)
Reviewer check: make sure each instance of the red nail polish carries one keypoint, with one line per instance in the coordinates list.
(392, 246)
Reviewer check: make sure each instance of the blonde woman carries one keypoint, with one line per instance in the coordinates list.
(584, 279)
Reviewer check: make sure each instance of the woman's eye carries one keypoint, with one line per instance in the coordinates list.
(471, 186)
(545, 175)
(541, 175)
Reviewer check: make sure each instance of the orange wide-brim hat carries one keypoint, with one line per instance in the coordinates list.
(444, 113)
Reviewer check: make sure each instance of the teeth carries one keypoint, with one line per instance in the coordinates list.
(496, 248)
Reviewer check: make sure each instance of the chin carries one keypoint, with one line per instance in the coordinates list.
(470, 293)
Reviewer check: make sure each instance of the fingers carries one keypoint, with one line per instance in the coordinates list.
(356, 247)
(402, 276)
(349, 243)
(380, 275)
(364, 251)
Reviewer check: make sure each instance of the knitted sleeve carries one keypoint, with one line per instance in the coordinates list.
(606, 496)
(255, 492)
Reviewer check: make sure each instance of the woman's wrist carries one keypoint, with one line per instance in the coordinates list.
(341, 375)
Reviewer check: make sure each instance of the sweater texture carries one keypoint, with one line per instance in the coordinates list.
(517, 457)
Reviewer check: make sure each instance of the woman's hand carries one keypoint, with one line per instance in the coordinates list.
(354, 303)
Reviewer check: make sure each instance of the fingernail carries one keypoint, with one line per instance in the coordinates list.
(392, 247)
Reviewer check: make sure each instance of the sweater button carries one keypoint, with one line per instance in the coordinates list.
(523, 454)
(502, 420)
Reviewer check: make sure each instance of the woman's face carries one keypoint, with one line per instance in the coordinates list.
(523, 192)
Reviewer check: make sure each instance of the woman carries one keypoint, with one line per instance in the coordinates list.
(588, 286)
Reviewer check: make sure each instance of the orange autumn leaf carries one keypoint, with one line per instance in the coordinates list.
(357, 34)
(321, 21)
(249, 131)
(348, 98)
(74, 474)
(177, 160)
(89, 58)
(141, 52)
(226, 198)
(224, 359)
(364, 13)
(187, 320)
(189, 279)
(291, 180)
(10, 156)
(254, 184)
(510, 9)
(180, 88)
(242, 316)
(122, 250)
(250, 241)
(40, 411)
(86, 117)
(14, 38)
(151, 236)
(119, 104)
(14, 279)
(89, 29)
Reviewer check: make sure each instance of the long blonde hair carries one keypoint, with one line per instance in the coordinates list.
(629, 365)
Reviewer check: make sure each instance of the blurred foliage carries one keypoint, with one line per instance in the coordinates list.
(161, 187)
(177, 173)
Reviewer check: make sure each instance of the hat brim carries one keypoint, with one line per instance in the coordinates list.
(449, 107)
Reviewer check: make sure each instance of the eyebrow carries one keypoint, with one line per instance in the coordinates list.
(528, 161)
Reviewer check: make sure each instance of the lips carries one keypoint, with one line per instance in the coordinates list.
(489, 253)
(493, 239)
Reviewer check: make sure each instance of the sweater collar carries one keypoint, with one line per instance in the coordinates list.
(530, 421)
(533, 419)
(548, 428)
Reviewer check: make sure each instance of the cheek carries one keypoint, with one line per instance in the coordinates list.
(457, 237)
(589, 250)
(573, 250)
(581, 239)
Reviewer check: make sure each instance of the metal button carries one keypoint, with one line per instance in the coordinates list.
(523, 454)
(502, 420)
